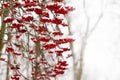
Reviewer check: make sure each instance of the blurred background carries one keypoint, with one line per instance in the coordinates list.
(95, 25)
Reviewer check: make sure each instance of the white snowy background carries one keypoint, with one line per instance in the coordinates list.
(102, 52)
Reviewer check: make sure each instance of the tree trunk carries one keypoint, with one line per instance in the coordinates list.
(2, 30)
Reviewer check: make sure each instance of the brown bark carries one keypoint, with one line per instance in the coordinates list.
(38, 53)
(2, 30)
